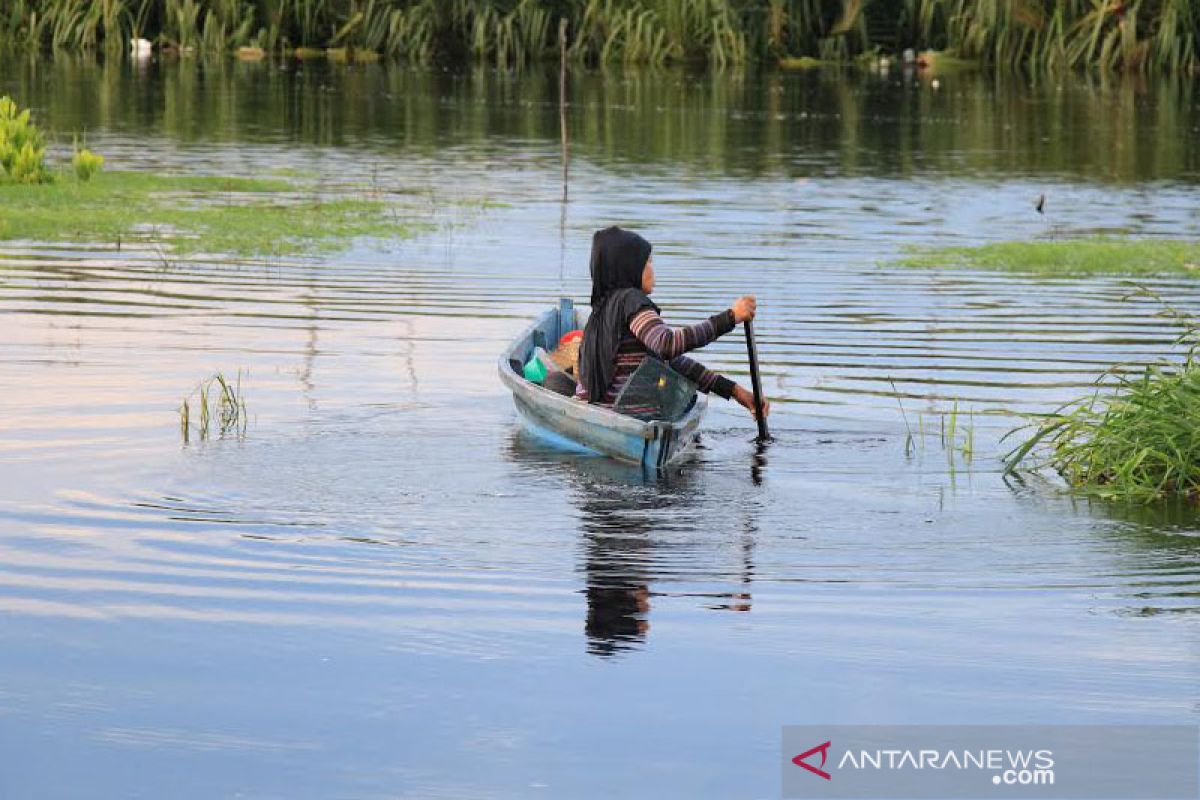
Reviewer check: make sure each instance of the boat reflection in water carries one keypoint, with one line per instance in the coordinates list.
(640, 532)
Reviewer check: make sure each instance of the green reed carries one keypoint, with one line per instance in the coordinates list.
(956, 438)
(1136, 437)
(909, 440)
(221, 408)
(1132, 35)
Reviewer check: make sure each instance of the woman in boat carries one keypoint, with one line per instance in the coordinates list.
(625, 327)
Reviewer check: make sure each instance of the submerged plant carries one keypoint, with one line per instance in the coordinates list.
(221, 407)
(1135, 437)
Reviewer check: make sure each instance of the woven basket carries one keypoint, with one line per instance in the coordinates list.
(566, 357)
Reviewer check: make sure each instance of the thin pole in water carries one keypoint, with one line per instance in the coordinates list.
(756, 383)
(562, 125)
(562, 99)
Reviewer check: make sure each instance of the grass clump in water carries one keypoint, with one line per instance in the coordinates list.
(1090, 256)
(220, 406)
(956, 439)
(193, 213)
(1137, 439)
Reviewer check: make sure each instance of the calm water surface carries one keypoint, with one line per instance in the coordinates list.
(387, 589)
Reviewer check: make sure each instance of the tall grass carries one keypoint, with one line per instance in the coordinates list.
(1135, 437)
(1110, 34)
(1130, 35)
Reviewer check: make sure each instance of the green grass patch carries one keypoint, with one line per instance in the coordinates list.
(194, 213)
(1086, 256)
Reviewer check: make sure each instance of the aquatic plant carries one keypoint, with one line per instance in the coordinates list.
(85, 163)
(1136, 437)
(1132, 35)
(957, 440)
(221, 408)
(201, 213)
(909, 440)
(22, 146)
(1070, 256)
(1137, 441)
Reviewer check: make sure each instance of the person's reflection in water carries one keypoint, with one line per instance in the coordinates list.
(616, 612)
(629, 521)
(624, 523)
(619, 521)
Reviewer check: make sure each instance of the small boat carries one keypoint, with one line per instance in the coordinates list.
(654, 444)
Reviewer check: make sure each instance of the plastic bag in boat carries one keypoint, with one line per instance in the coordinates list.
(656, 392)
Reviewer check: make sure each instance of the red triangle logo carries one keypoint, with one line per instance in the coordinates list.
(823, 749)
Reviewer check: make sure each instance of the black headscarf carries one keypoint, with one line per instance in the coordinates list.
(618, 259)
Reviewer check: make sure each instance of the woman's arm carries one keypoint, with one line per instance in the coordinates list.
(666, 342)
(708, 381)
(704, 378)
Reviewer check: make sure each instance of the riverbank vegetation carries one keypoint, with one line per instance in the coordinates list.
(187, 213)
(1077, 256)
(1131, 35)
(1136, 437)
(195, 213)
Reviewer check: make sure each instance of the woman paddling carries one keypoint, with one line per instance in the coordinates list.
(625, 326)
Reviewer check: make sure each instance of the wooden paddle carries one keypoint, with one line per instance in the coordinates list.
(756, 383)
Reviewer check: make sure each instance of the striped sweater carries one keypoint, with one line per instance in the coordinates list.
(645, 333)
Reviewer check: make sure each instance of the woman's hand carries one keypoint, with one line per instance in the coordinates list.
(744, 308)
(746, 400)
